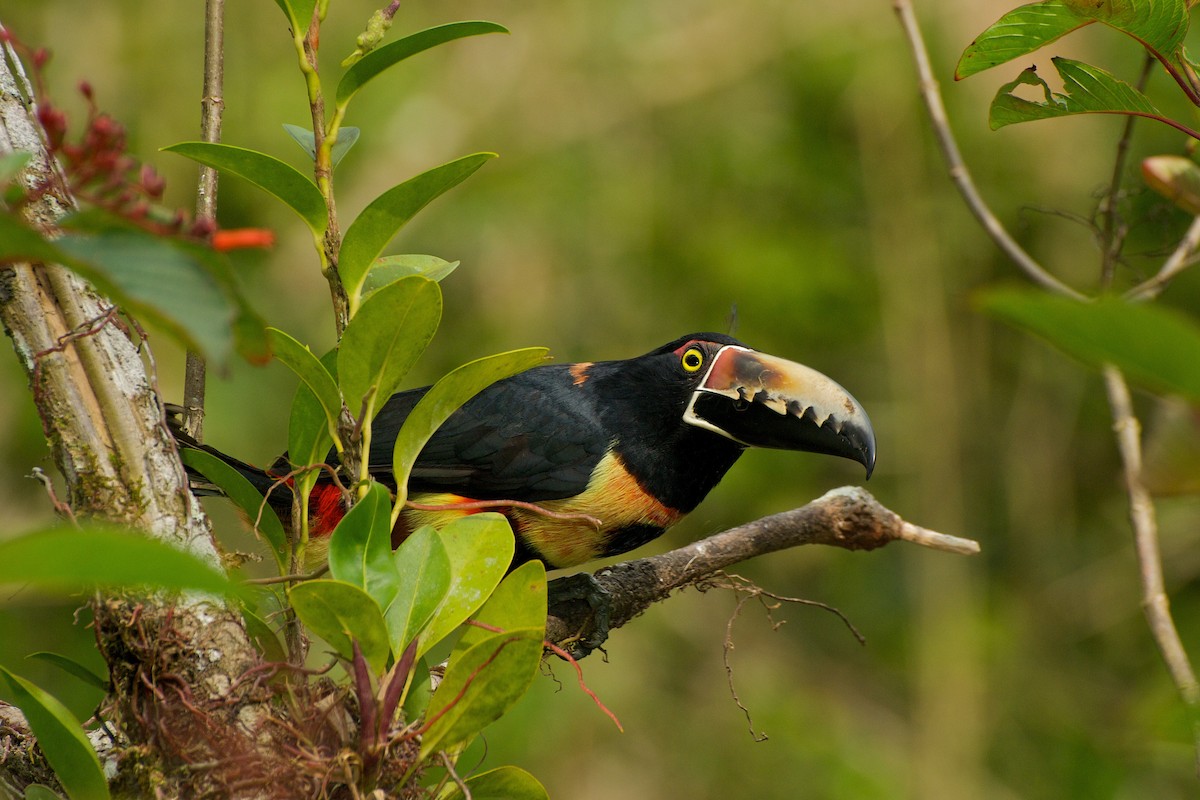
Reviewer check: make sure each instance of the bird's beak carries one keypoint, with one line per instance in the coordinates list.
(763, 401)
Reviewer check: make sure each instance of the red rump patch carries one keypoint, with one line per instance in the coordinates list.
(325, 509)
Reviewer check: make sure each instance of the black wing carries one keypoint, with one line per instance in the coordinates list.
(535, 436)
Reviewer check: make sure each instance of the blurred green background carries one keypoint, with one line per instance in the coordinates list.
(662, 163)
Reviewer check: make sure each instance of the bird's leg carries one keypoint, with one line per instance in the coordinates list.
(583, 587)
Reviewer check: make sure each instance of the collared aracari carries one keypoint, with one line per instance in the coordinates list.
(633, 444)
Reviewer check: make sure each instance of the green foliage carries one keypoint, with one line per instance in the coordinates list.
(73, 667)
(1160, 27)
(379, 61)
(341, 614)
(384, 339)
(1154, 346)
(347, 136)
(502, 783)
(180, 286)
(1087, 90)
(391, 268)
(300, 360)
(387, 214)
(71, 558)
(268, 173)
(61, 738)
(423, 570)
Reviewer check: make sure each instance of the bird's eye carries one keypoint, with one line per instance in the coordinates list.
(693, 359)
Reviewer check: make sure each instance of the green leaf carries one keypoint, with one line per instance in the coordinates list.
(243, 493)
(179, 286)
(309, 441)
(518, 602)
(1154, 346)
(299, 14)
(264, 636)
(1088, 90)
(444, 398)
(493, 668)
(384, 57)
(480, 548)
(385, 338)
(1161, 25)
(266, 172)
(347, 136)
(389, 269)
(1176, 178)
(360, 549)
(501, 783)
(73, 667)
(12, 163)
(340, 612)
(36, 791)
(1018, 33)
(424, 578)
(70, 558)
(60, 736)
(387, 214)
(300, 360)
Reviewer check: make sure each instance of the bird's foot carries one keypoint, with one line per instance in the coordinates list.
(583, 587)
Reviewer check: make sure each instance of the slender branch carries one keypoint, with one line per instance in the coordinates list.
(1155, 603)
(849, 518)
(212, 105)
(1112, 231)
(959, 173)
(1177, 262)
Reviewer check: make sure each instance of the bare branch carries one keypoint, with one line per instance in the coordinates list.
(959, 174)
(1155, 603)
(849, 518)
(1178, 261)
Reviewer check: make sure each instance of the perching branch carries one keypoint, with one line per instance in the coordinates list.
(849, 518)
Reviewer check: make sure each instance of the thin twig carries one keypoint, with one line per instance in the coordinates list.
(1178, 261)
(211, 107)
(959, 173)
(1155, 603)
(1112, 231)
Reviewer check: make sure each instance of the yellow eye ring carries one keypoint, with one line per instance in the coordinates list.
(693, 359)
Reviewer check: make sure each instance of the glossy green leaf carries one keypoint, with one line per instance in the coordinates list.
(70, 558)
(380, 59)
(1018, 33)
(266, 172)
(298, 12)
(444, 398)
(1160, 25)
(300, 360)
(385, 338)
(179, 286)
(389, 269)
(60, 736)
(1154, 346)
(347, 136)
(36, 791)
(480, 548)
(518, 602)
(309, 440)
(424, 578)
(340, 612)
(387, 214)
(498, 666)
(502, 783)
(73, 667)
(1087, 90)
(243, 493)
(360, 549)
(482, 682)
